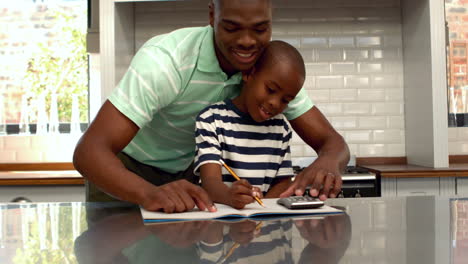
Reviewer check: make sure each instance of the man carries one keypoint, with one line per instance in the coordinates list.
(140, 146)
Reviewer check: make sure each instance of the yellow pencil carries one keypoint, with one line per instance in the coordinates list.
(236, 245)
(237, 178)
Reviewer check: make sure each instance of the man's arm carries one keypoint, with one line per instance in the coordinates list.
(95, 158)
(324, 174)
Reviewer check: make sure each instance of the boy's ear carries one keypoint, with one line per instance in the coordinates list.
(247, 75)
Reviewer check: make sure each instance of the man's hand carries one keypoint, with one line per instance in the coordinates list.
(242, 193)
(177, 196)
(324, 179)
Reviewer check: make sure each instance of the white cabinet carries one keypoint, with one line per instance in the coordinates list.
(461, 185)
(417, 186)
(43, 193)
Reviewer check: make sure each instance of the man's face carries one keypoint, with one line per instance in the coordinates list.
(242, 28)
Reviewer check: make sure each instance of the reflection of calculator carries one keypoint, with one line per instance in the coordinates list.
(300, 202)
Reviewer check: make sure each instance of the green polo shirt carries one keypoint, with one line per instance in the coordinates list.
(170, 80)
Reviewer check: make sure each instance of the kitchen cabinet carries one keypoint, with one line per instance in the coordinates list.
(43, 193)
(42, 186)
(401, 186)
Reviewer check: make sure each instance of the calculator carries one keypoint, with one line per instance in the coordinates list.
(300, 202)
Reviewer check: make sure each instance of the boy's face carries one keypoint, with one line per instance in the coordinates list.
(267, 92)
(242, 28)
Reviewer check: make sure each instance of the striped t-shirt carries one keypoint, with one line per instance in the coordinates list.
(170, 80)
(257, 151)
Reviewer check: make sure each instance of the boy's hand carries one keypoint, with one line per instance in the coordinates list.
(241, 193)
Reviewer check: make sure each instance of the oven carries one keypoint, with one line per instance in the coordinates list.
(357, 181)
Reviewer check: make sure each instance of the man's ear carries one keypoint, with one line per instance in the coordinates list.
(211, 8)
(247, 75)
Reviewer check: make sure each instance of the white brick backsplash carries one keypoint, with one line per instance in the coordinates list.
(388, 54)
(341, 42)
(453, 134)
(463, 133)
(7, 156)
(317, 68)
(368, 41)
(354, 28)
(372, 150)
(353, 149)
(297, 150)
(354, 81)
(309, 82)
(393, 41)
(343, 95)
(319, 96)
(344, 122)
(386, 81)
(330, 109)
(343, 68)
(61, 155)
(293, 40)
(296, 139)
(392, 67)
(28, 155)
(458, 148)
(17, 142)
(329, 82)
(308, 151)
(365, 67)
(394, 95)
(396, 150)
(372, 122)
(370, 95)
(358, 136)
(356, 108)
(314, 42)
(388, 136)
(328, 55)
(397, 122)
(387, 108)
(355, 54)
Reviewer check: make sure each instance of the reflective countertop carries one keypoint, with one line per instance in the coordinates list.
(423, 229)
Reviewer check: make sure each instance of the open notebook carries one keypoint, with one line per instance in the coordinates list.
(252, 210)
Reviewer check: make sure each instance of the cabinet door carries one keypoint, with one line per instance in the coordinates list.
(417, 186)
(462, 186)
(46, 193)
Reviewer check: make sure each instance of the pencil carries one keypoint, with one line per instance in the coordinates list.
(237, 178)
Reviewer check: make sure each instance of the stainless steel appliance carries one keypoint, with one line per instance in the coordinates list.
(357, 181)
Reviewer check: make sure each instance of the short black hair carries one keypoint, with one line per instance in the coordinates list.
(279, 51)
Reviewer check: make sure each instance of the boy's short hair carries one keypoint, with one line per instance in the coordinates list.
(281, 52)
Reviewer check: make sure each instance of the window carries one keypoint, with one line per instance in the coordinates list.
(43, 67)
(456, 12)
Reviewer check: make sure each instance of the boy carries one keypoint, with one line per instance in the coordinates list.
(250, 133)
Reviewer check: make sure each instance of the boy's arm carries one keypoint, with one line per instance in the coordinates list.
(279, 187)
(237, 196)
(210, 174)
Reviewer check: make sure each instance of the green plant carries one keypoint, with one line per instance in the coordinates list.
(60, 64)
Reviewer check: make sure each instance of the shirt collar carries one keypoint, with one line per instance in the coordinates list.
(208, 62)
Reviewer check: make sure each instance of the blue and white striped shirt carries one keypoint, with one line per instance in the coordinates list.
(258, 152)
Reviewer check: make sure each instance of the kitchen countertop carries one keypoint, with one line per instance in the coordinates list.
(401, 230)
(407, 170)
(61, 177)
